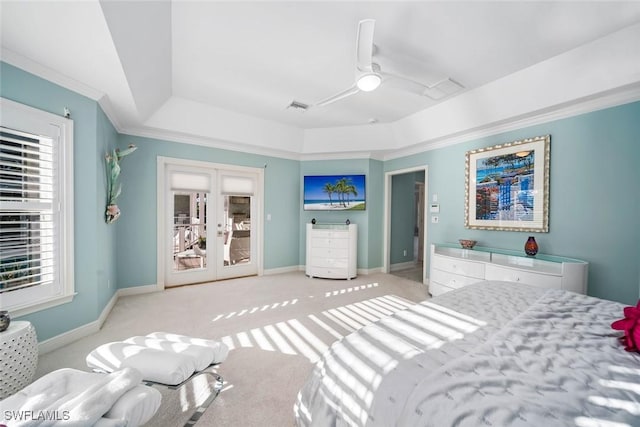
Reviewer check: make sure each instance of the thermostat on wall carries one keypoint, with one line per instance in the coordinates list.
(434, 208)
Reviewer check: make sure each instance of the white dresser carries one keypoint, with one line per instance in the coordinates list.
(332, 251)
(453, 267)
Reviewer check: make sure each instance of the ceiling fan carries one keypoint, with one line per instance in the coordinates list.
(369, 75)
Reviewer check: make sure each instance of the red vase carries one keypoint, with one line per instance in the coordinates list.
(531, 247)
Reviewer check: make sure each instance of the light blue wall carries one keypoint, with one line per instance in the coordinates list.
(372, 170)
(137, 225)
(93, 240)
(107, 140)
(594, 196)
(375, 212)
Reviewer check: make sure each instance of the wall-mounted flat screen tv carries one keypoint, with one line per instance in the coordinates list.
(334, 192)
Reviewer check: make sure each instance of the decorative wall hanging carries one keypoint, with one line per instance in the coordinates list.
(507, 186)
(114, 188)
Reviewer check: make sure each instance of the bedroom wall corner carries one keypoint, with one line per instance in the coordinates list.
(90, 299)
(337, 167)
(136, 242)
(107, 141)
(375, 206)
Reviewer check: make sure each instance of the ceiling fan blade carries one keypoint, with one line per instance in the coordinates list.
(364, 44)
(338, 96)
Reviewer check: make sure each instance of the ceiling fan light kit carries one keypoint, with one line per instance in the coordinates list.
(369, 82)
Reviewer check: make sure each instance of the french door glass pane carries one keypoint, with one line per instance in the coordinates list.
(237, 231)
(189, 230)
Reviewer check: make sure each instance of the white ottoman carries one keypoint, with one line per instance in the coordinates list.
(161, 357)
(18, 357)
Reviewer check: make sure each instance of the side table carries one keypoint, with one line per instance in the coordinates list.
(18, 357)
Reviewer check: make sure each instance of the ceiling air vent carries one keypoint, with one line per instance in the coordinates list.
(442, 89)
(298, 106)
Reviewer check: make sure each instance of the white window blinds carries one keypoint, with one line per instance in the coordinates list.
(29, 210)
(237, 185)
(185, 181)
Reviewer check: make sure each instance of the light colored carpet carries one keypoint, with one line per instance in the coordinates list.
(412, 273)
(276, 327)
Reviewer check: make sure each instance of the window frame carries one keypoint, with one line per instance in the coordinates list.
(27, 119)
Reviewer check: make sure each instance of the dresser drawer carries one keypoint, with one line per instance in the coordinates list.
(458, 266)
(328, 242)
(329, 252)
(451, 280)
(330, 262)
(436, 288)
(494, 272)
(331, 234)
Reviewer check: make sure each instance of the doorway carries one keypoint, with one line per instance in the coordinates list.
(209, 222)
(405, 233)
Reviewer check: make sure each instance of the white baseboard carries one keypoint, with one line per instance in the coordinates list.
(68, 337)
(137, 290)
(367, 271)
(281, 270)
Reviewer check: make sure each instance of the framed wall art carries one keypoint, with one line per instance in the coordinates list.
(507, 186)
(334, 192)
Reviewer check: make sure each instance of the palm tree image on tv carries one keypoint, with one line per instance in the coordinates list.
(504, 187)
(334, 192)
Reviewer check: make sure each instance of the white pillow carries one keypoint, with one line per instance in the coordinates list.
(155, 365)
(202, 355)
(220, 349)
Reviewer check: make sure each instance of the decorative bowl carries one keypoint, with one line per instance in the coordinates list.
(467, 244)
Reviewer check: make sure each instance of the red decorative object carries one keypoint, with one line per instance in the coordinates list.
(631, 327)
(531, 247)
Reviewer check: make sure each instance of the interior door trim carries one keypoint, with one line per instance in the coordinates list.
(386, 233)
(161, 163)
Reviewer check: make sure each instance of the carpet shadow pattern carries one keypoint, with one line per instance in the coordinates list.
(276, 327)
(311, 336)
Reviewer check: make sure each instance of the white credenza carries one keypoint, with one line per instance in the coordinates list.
(453, 267)
(332, 251)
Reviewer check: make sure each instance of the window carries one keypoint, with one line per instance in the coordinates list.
(36, 209)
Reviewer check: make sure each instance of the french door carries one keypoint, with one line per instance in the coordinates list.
(211, 222)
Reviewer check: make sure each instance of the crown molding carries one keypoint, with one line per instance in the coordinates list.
(39, 70)
(110, 112)
(619, 96)
(184, 138)
(35, 68)
(350, 155)
(607, 99)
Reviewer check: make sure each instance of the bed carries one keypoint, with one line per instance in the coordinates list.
(489, 354)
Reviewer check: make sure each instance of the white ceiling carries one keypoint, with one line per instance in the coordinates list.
(226, 71)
